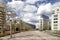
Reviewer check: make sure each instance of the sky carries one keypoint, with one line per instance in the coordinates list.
(30, 10)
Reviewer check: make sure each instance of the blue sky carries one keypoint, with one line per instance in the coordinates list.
(48, 1)
(30, 10)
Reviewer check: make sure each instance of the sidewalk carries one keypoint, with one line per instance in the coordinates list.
(52, 33)
(31, 35)
(8, 37)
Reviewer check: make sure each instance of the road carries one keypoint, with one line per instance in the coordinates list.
(31, 35)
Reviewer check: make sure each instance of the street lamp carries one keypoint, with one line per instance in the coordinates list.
(10, 28)
(10, 15)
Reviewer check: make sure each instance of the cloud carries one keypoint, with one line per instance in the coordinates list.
(27, 12)
(17, 5)
(30, 8)
(28, 16)
(57, 4)
(31, 1)
(44, 8)
(48, 8)
(31, 18)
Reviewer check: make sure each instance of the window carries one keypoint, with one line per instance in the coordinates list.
(57, 9)
(55, 22)
(55, 18)
(55, 15)
(40, 20)
(55, 27)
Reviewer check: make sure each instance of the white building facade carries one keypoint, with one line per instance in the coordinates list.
(44, 22)
(55, 19)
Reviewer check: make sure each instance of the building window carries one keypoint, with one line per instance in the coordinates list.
(55, 18)
(55, 27)
(40, 20)
(55, 15)
(53, 12)
(55, 21)
(57, 9)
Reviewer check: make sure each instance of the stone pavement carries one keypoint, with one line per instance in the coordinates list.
(31, 35)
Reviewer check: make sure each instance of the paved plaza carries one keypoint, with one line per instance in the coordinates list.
(31, 35)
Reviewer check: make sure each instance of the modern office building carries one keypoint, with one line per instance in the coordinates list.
(2, 14)
(43, 22)
(55, 19)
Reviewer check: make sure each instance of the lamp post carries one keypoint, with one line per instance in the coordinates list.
(10, 28)
(10, 15)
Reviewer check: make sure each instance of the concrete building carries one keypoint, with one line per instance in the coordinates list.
(55, 19)
(2, 14)
(44, 22)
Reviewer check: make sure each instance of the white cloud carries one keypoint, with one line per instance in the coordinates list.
(29, 17)
(57, 4)
(47, 8)
(30, 8)
(27, 11)
(18, 5)
(44, 8)
(26, 19)
(31, 1)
